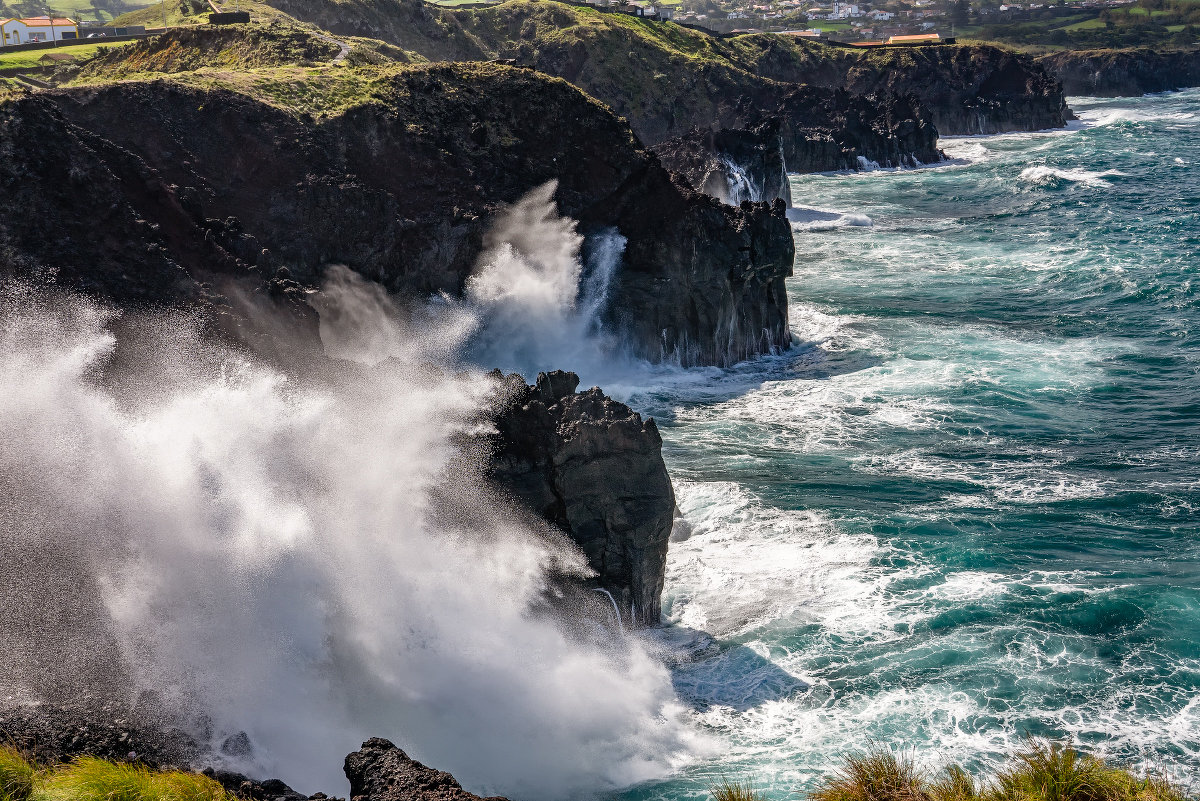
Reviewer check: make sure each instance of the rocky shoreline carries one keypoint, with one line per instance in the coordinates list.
(51, 735)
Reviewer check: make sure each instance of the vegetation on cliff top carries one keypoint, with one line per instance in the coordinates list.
(274, 44)
(1041, 771)
(91, 779)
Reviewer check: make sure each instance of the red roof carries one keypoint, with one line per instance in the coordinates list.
(35, 22)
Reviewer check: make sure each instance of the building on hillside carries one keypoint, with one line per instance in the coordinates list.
(915, 39)
(37, 29)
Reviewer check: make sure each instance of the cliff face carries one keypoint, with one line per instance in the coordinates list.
(668, 81)
(1123, 73)
(731, 165)
(165, 192)
(592, 467)
(804, 130)
(967, 89)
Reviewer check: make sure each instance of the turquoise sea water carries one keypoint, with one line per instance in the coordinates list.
(966, 507)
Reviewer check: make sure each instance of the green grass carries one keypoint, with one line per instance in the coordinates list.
(90, 779)
(1086, 25)
(17, 775)
(99, 12)
(26, 59)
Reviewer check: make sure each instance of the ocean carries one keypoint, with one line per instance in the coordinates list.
(964, 509)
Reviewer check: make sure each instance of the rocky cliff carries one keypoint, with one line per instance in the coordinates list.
(380, 771)
(967, 89)
(731, 165)
(592, 467)
(1123, 73)
(803, 129)
(178, 189)
(668, 81)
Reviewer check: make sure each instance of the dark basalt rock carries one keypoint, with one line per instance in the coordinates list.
(966, 89)
(163, 193)
(382, 772)
(731, 165)
(835, 130)
(1123, 73)
(105, 729)
(593, 468)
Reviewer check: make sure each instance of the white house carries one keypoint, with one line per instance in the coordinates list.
(37, 29)
(881, 15)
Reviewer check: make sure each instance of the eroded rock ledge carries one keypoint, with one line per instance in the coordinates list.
(592, 467)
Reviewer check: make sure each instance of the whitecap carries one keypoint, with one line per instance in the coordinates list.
(816, 219)
(1047, 176)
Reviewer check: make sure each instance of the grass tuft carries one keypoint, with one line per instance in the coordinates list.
(727, 790)
(17, 775)
(1041, 771)
(1054, 772)
(955, 784)
(90, 779)
(877, 775)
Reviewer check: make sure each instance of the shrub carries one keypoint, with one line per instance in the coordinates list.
(877, 775)
(90, 779)
(17, 775)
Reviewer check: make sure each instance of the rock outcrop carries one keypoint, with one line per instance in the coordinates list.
(162, 192)
(731, 165)
(382, 772)
(592, 467)
(1123, 73)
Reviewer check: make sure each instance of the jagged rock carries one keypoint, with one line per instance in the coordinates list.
(382, 772)
(838, 130)
(966, 89)
(1123, 73)
(592, 467)
(166, 193)
(731, 165)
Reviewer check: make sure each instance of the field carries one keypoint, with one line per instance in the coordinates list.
(99, 11)
(25, 59)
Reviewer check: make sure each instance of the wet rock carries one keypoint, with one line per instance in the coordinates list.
(593, 468)
(382, 772)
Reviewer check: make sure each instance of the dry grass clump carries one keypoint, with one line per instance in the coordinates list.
(735, 791)
(1053, 772)
(1042, 771)
(877, 775)
(91, 779)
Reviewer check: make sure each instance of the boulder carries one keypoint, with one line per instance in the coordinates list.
(592, 467)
